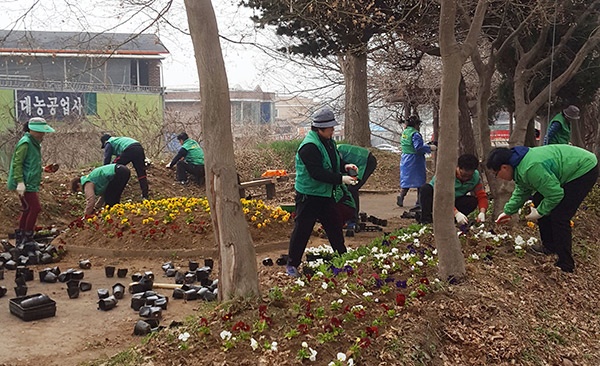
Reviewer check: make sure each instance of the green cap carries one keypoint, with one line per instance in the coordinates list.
(39, 124)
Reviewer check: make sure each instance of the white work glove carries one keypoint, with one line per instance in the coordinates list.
(351, 167)
(533, 215)
(433, 147)
(502, 218)
(348, 180)
(168, 166)
(481, 217)
(461, 218)
(21, 188)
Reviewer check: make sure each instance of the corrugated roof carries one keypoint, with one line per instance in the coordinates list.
(80, 42)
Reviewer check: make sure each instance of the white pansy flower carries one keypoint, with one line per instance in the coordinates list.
(184, 336)
(518, 247)
(341, 357)
(253, 344)
(299, 282)
(367, 294)
(350, 362)
(274, 346)
(474, 256)
(344, 291)
(324, 285)
(225, 335)
(304, 344)
(519, 240)
(313, 355)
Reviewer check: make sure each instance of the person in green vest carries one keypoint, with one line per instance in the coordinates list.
(559, 130)
(366, 163)
(320, 179)
(127, 150)
(189, 159)
(25, 177)
(413, 169)
(102, 186)
(469, 193)
(559, 177)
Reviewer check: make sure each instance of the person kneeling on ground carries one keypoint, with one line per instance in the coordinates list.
(104, 184)
(189, 159)
(366, 163)
(468, 193)
(559, 177)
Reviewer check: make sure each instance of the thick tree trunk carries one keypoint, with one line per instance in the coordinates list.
(356, 130)
(466, 139)
(237, 271)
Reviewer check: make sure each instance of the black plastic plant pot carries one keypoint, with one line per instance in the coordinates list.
(178, 293)
(3, 291)
(85, 286)
(153, 312)
(171, 272)
(137, 302)
(46, 258)
(136, 288)
(191, 295)
(109, 271)
(202, 274)
(1, 273)
(167, 266)
(267, 262)
(282, 260)
(118, 291)
(73, 292)
(149, 275)
(85, 264)
(50, 277)
(193, 265)
(77, 275)
(107, 303)
(73, 283)
(141, 328)
(20, 282)
(122, 272)
(103, 293)
(10, 265)
(208, 262)
(146, 283)
(190, 277)
(136, 277)
(206, 282)
(42, 273)
(21, 291)
(162, 303)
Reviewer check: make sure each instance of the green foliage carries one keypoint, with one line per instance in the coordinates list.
(126, 358)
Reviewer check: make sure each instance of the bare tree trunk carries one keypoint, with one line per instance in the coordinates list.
(466, 140)
(356, 130)
(237, 271)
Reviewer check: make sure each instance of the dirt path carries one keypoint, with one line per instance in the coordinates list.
(81, 332)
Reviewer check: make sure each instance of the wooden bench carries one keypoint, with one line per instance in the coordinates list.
(269, 184)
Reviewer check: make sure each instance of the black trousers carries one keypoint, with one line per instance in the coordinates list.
(134, 154)
(197, 171)
(464, 204)
(555, 228)
(309, 209)
(115, 187)
(369, 169)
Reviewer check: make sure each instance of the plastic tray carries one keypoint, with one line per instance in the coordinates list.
(46, 310)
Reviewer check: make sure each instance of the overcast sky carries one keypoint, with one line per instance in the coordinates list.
(247, 66)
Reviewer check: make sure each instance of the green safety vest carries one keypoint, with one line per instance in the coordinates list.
(356, 155)
(32, 165)
(406, 140)
(563, 136)
(100, 176)
(195, 155)
(119, 144)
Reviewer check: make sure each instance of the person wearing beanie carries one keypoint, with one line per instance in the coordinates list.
(25, 177)
(102, 186)
(559, 129)
(127, 150)
(559, 177)
(413, 169)
(321, 177)
(189, 159)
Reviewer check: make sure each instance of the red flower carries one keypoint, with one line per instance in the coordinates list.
(335, 322)
(226, 317)
(203, 322)
(400, 299)
(424, 280)
(152, 231)
(119, 234)
(364, 342)
(385, 307)
(420, 293)
(360, 313)
(372, 331)
(240, 326)
(133, 231)
(327, 328)
(303, 328)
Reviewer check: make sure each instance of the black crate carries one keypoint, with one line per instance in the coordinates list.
(46, 310)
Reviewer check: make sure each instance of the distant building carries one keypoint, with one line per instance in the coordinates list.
(72, 75)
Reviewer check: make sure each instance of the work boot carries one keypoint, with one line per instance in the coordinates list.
(18, 236)
(400, 201)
